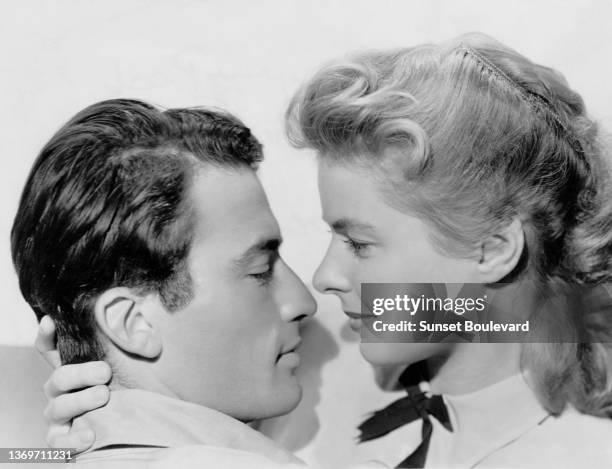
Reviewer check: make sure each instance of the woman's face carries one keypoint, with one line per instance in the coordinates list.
(375, 243)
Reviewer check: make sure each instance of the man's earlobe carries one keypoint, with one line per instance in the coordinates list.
(119, 314)
(501, 253)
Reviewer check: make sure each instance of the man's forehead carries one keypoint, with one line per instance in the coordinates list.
(232, 203)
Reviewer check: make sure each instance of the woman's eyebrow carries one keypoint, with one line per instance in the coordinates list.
(344, 225)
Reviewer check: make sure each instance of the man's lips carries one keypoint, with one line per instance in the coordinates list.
(289, 348)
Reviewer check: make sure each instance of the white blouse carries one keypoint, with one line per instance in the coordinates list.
(504, 426)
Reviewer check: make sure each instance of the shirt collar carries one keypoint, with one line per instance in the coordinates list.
(489, 418)
(507, 405)
(137, 417)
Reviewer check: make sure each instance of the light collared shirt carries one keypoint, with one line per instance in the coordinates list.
(139, 429)
(503, 426)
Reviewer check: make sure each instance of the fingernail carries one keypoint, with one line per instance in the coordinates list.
(87, 436)
(45, 323)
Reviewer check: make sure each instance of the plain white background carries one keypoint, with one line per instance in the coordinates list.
(248, 57)
(57, 57)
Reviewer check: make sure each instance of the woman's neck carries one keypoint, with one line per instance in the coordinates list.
(474, 366)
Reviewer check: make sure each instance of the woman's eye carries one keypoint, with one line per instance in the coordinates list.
(356, 247)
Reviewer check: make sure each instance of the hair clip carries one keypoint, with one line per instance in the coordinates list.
(535, 101)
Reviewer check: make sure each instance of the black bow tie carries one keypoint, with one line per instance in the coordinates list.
(416, 405)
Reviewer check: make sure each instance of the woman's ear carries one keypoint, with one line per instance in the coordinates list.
(120, 314)
(501, 252)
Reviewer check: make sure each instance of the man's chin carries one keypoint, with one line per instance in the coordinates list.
(280, 402)
(289, 399)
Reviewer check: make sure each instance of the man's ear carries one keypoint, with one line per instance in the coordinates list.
(501, 252)
(120, 314)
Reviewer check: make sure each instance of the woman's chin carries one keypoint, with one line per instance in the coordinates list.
(381, 354)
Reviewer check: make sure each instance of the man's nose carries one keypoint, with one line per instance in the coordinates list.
(296, 302)
(329, 276)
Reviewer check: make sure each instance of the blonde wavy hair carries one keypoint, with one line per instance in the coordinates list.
(470, 134)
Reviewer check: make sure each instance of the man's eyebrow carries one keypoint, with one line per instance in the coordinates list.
(343, 225)
(264, 246)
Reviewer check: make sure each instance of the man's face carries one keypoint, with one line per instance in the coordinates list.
(375, 243)
(231, 347)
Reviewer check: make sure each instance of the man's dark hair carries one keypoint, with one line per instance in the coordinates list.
(105, 205)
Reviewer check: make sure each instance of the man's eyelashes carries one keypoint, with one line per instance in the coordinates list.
(264, 278)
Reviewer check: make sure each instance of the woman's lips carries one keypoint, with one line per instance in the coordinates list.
(355, 324)
(353, 315)
(355, 319)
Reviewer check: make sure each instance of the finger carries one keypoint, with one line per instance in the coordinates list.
(45, 341)
(63, 436)
(65, 407)
(81, 375)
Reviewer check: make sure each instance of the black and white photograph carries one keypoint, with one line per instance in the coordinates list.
(306, 234)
